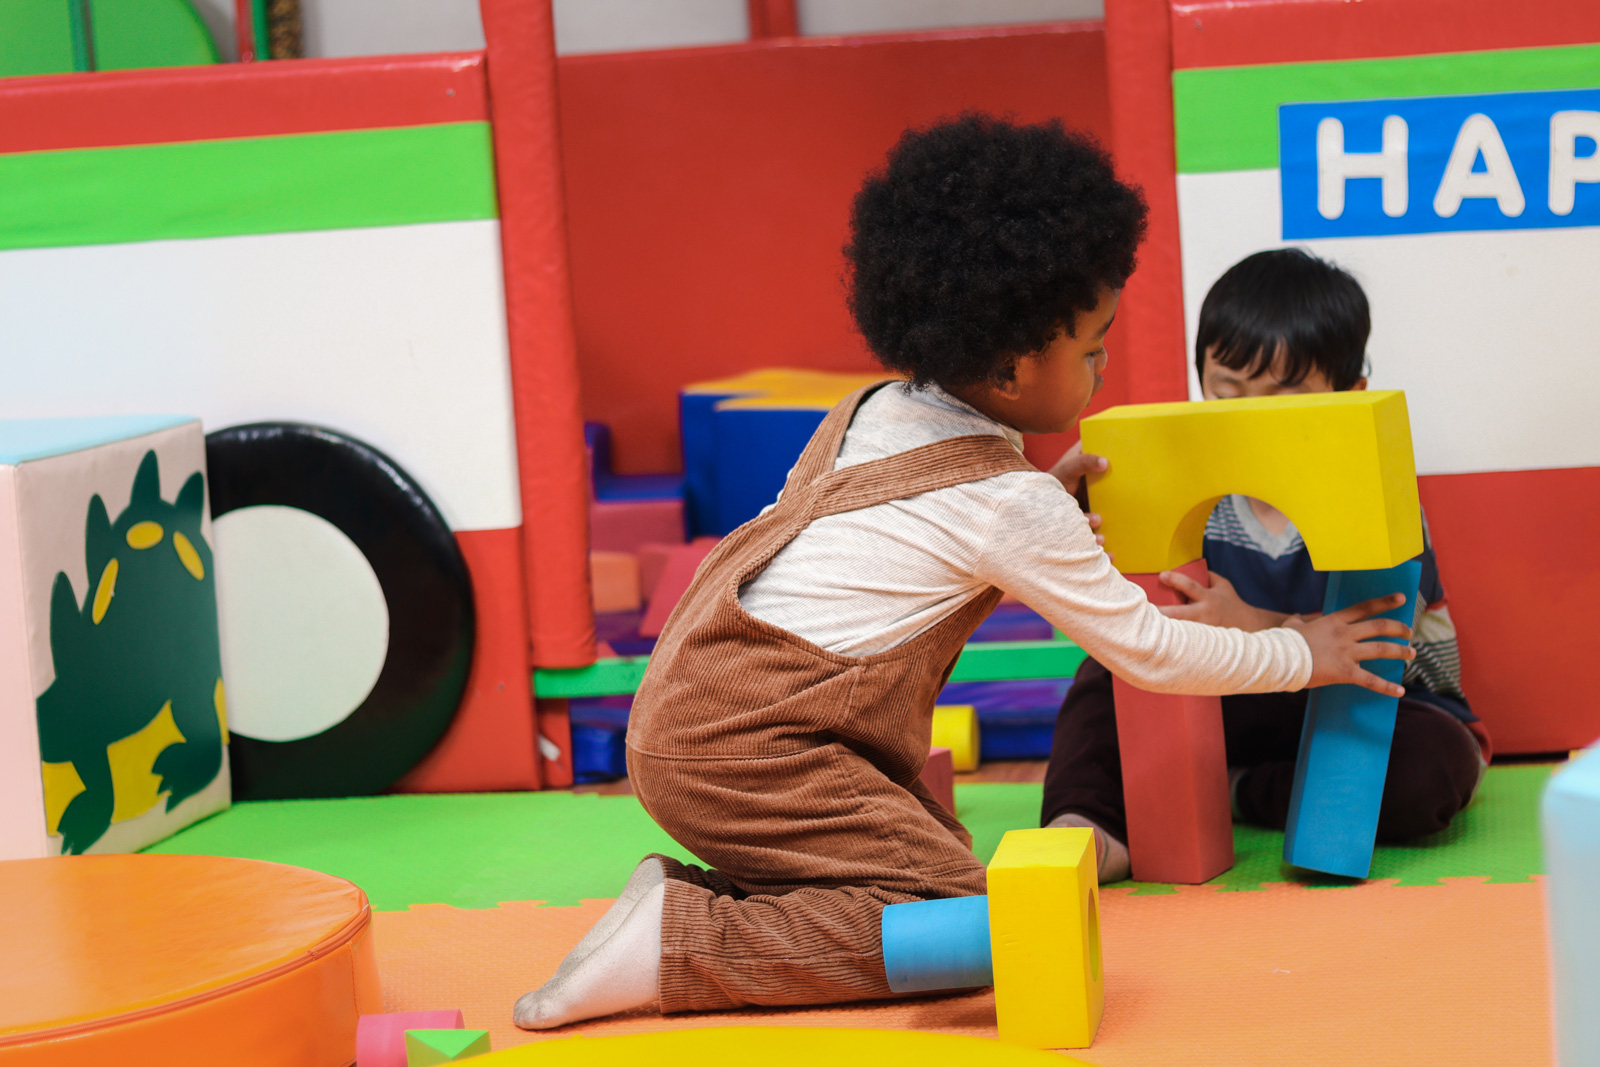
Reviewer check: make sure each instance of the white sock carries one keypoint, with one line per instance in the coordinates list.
(622, 974)
(649, 874)
(1113, 864)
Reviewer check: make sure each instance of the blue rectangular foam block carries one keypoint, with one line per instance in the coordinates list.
(599, 738)
(1570, 815)
(698, 434)
(755, 449)
(1344, 745)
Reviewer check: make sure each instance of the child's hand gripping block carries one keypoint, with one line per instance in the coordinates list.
(1344, 745)
(1174, 772)
(1035, 937)
(1570, 814)
(1338, 464)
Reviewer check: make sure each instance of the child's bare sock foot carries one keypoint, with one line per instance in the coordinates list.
(1113, 863)
(623, 973)
(649, 874)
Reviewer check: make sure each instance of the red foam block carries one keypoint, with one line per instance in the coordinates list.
(381, 1039)
(1174, 772)
(939, 775)
(673, 583)
(629, 525)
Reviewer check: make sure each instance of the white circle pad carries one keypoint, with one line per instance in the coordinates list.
(303, 621)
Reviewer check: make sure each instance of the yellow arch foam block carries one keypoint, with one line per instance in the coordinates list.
(1044, 929)
(774, 1046)
(955, 726)
(1338, 464)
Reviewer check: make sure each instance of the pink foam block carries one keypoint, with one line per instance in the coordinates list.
(673, 583)
(1174, 772)
(939, 775)
(652, 561)
(381, 1039)
(626, 525)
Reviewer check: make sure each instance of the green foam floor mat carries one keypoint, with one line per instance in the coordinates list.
(477, 850)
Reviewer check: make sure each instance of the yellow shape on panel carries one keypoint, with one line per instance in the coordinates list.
(137, 787)
(61, 786)
(1338, 464)
(774, 1046)
(955, 726)
(1044, 929)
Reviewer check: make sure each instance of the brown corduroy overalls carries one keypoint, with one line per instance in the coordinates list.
(791, 770)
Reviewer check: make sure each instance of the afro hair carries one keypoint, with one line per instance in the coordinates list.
(979, 240)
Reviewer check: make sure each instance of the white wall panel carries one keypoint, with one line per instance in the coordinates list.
(395, 335)
(1495, 336)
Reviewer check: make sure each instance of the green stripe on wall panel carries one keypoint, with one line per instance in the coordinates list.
(1227, 117)
(981, 661)
(318, 181)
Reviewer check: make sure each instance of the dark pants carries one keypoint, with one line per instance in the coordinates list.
(1434, 762)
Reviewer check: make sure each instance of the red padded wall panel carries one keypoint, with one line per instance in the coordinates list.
(708, 192)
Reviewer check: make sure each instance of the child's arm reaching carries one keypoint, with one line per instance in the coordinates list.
(1040, 548)
(1339, 642)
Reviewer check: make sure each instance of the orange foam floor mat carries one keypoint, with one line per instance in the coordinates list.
(1452, 974)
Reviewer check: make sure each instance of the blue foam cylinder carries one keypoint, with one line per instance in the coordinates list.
(1570, 815)
(1344, 745)
(937, 944)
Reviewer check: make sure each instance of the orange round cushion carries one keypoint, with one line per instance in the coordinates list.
(129, 960)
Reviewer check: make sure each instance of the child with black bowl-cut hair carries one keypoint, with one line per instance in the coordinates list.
(780, 729)
(1278, 322)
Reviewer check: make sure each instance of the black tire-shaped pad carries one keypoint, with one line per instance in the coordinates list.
(425, 583)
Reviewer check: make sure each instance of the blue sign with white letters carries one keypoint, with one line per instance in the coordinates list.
(1500, 161)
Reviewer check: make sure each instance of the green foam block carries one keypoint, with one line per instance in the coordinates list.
(424, 1048)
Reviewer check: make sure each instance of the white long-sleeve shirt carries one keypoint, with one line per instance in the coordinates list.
(865, 581)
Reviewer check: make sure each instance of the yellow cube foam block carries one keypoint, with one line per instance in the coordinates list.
(1044, 929)
(955, 726)
(1338, 464)
(778, 383)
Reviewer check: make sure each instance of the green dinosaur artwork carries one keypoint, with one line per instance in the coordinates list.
(136, 709)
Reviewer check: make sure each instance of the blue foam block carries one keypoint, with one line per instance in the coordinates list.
(937, 944)
(599, 734)
(1344, 746)
(609, 486)
(22, 440)
(697, 431)
(1570, 815)
(755, 449)
(1016, 719)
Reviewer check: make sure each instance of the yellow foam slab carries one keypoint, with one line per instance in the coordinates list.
(773, 1046)
(1338, 464)
(773, 381)
(955, 726)
(1044, 929)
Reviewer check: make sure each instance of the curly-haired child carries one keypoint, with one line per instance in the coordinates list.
(1280, 321)
(786, 714)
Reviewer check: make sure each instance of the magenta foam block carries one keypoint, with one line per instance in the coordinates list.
(381, 1039)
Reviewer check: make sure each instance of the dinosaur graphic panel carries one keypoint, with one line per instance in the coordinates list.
(130, 715)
